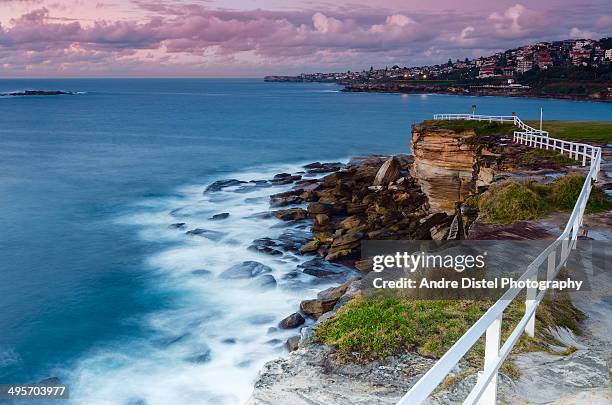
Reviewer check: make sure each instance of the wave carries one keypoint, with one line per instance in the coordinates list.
(209, 346)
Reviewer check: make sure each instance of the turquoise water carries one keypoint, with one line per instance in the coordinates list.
(94, 287)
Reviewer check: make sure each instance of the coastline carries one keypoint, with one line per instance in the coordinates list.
(481, 91)
(308, 370)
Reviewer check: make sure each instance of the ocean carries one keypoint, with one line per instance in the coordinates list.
(97, 288)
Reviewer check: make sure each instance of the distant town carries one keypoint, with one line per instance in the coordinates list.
(574, 68)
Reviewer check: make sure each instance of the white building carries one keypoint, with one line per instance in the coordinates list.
(608, 54)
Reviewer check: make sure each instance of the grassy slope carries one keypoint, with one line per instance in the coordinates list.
(511, 201)
(367, 329)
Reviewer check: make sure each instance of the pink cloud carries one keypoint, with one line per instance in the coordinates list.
(184, 37)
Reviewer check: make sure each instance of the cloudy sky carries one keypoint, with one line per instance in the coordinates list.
(254, 37)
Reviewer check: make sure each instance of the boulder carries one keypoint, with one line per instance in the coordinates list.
(178, 225)
(218, 217)
(315, 308)
(292, 321)
(247, 269)
(293, 343)
(291, 214)
(388, 172)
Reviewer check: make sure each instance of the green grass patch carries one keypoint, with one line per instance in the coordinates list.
(479, 127)
(512, 201)
(547, 156)
(587, 131)
(509, 202)
(375, 327)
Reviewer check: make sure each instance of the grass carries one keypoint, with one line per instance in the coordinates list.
(586, 131)
(375, 327)
(479, 127)
(512, 201)
(540, 156)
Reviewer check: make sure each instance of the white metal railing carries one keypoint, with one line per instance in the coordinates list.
(555, 257)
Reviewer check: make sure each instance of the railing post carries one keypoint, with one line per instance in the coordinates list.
(529, 303)
(575, 230)
(584, 155)
(564, 243)
(492, 343)
(552, 265)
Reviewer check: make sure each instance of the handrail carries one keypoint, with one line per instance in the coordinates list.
(485, 390)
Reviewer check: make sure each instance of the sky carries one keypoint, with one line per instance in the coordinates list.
(251, 38)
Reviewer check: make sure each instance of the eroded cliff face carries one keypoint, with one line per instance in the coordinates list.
(445, 165)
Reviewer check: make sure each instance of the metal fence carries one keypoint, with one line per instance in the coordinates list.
(549, 262)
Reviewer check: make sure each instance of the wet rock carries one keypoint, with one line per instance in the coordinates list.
(265, 282)
(293, 343)
(221, 184)
(206, 233)
(274, 342)
(318, 167)
(286, 198)
(285, 178)
(220, 216)
(316, 307)
(292, 321)
(319, 267)
(259, 182)
(247, 269)
(291, 214)
(178, 225)
(264, 245)
(388, 172)
(229, 341)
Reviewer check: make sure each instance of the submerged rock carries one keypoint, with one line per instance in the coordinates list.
(265, 282)
(200, 358)
(178, 225)
(221, 184)
(246, 269)
(217, 217)
(206, 233)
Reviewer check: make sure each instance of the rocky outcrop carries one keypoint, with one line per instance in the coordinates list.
(444, 164)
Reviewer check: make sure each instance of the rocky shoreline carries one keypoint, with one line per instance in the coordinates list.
(503, 91)
(382, 197)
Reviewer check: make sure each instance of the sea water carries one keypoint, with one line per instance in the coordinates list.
(98, 290)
